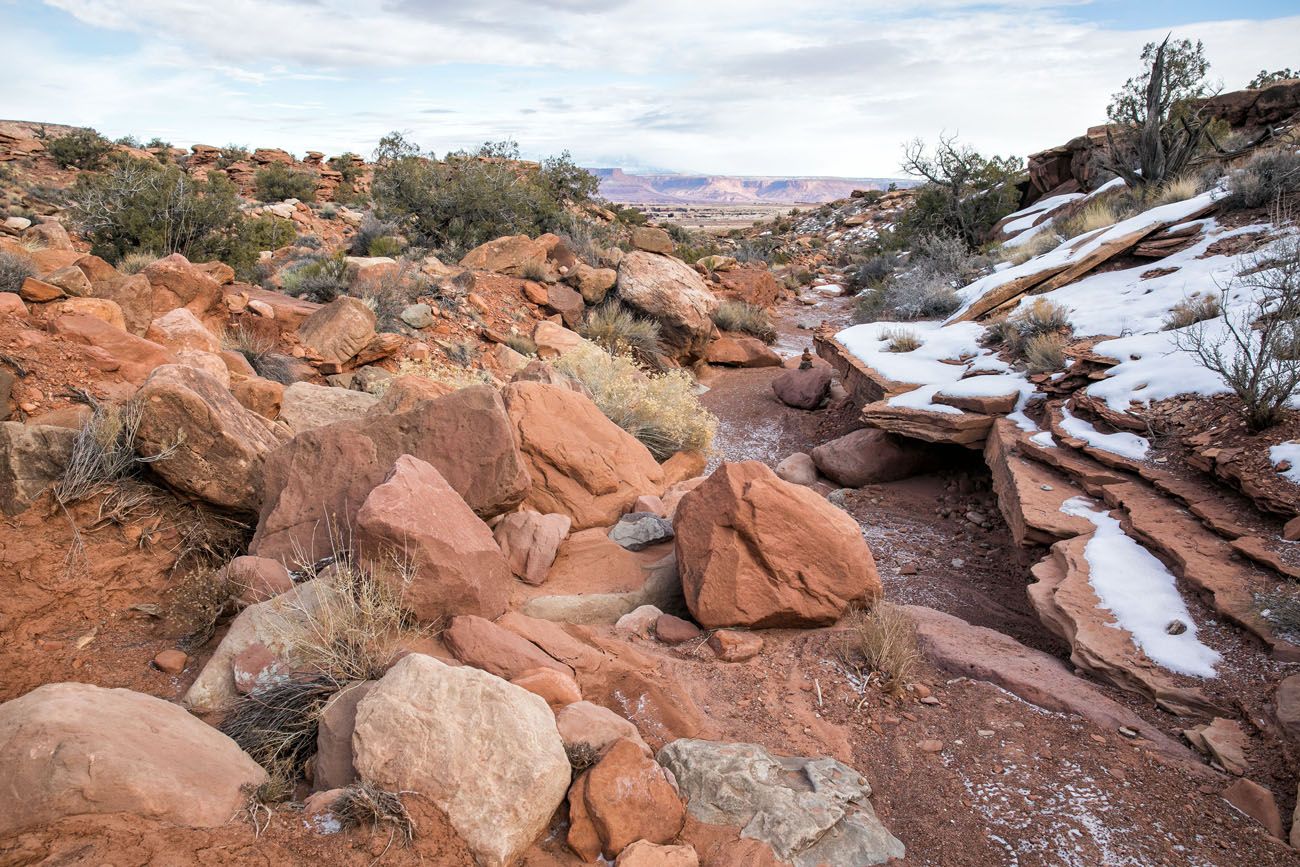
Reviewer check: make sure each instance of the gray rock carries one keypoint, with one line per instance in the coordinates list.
(306, 406)
(641, 530)
(32, 457)
(418, 315)
(810, 811)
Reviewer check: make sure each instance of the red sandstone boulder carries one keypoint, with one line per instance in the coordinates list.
(753, 550)
(514, 255)
(653, 240)
(582, 464)
(482, 644)
(803, 389)
(466, 436)
(754, 286)
(869, 456)
(674, 294)
(180, 329)
(741, 350)
(175, 282)
(556, 687)
(625, 797)
(203, 441)
(530, 541)
(338, 331)
(456, 565)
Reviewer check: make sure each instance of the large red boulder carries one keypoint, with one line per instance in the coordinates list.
(757, 551)
(495, 649)
(318, 480)
(176, 282)
(456, 566)
(339, 330)
(673, 293)
(200, 439)
(869, 456)
(582, 464)
(136, 357)
(624, 797)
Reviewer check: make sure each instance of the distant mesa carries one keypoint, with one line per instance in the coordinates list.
(673, 189)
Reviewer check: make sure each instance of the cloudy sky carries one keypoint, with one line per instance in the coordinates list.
(721, 86)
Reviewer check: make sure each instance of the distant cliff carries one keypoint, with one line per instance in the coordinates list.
(620, 186)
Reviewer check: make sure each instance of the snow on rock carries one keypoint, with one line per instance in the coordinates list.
(1141, 594)
(1151, 368)
(1126, 445)
(1290, 453)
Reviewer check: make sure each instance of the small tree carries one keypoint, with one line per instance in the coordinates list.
(1160, 131)
(1255, 349)
(1266, 78)
(278, 182)
(965, 193)
(82, 148)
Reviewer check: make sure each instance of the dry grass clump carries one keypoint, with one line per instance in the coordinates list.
(582, 755)
(199, 600)
(1280, 608)
(1097, 214)
(533, 271)
(618, 331)
(259, 351)
(363, 804)
(745, 318)
(1189, 311)
(1042, 317)
(14, 269)
(1045, 353)
(901, 340)
(353, 625)
(1045, 241)
(883, 642)
(659, 409)
(104, 451)
(1179, 189)
(388, 295)
(277, 725)
(134, 263)
(525, 346)
(438, 371)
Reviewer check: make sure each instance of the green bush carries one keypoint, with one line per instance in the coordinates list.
(965, 194)
(347, 192)
(618, 330)
(83, 148)
(278, 182)
(467, 199)
(231, 154)
(1266, 178)
(926, 287)
(385, 245)
(140, 205)
(241, 247)
(14, 269)
(316, 278)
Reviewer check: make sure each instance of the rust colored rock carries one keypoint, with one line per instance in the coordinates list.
(456, 565)
(596, 728)
(1286, 707)
(72, 749)
(803, 389)
(333, 766)
(740, 350)
(557, 688)
(582, 464)
(625, 797)
(482, 644)
(643, 853)
(466, 436)
(171, 661)
(593, 283)
(404, 392)
(870, 456)
(529, 541)
(256, 579)
(566, 302)
(38, 291)
(754, 286)
(175, 282)
(653, 240)
(136, 357)
(262, 396)
(71, 279)
(1257, 802)
(514, 255)
(673, 293)
(339, 330)
(133, 294)
(731, 645)
(671, 629)
(101, 308)
(205, 442)
(180, 329)
(756, 551)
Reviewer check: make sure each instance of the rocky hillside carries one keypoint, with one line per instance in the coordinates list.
(620, 186)
(345, 540)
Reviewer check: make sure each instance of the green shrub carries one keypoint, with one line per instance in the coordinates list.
(965, 194)
(1262, 181)
(1266, 78)
(392, 293)
(316, 278)
(871, 273)
(385, 246)
(140, 205)
(347, 192)
(277, 182)
(618, 330)
(745, 318)
(467, 199)
(241, 248)
(14, 269)
(83, 148)
(926, 288)
(661, 410)
(631, 216)
(231, 154)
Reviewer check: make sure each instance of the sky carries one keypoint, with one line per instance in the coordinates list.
(745, 87)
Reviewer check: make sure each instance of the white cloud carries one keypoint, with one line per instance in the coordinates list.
(768, 87)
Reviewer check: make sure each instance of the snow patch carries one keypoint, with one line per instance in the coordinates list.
(1289, 452)
(1126, 445)
(1141, 593)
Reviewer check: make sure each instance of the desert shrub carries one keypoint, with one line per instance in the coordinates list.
(139, 205)
(1265, 78)
(661, 409)
(347, 192)
(759, 251)
(690, 245)
(14, 269)
(83, 148)
(1281, 608)
(965, 194)
(103, 452)
(881, 643)
(1044, 241)
(1250, 352)
(745, 318)
(926, 288)
(1044, 352)
(259, 351)
(197, 603)
(231, 154)
(631, 216)
(533, 271)
(1177, 189)
(386, 245)
(1041, 317)
(456, 375)
(1189, 311)
(278, 724)
(589, 241)
(1262, 181)
(901, 340)
(316, 278)
(241, 247)
(467, 199)
(370, 231)
(523, 345)
(618, 330)
(392, 293)
(1099, 213)
(362, 804)
(277, 182)
(872, 272)
(135, 262)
